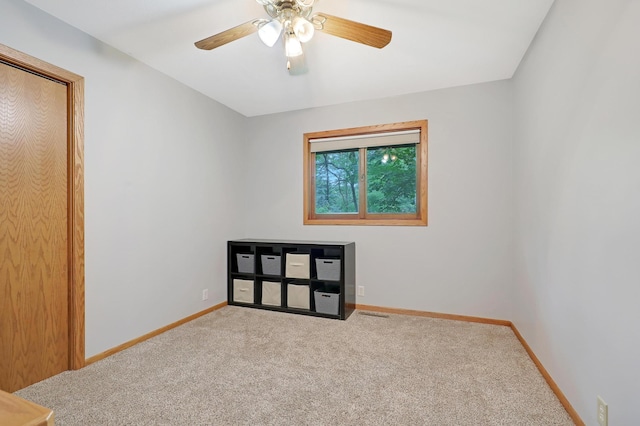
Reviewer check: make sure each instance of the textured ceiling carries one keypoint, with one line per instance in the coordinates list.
(436, 44)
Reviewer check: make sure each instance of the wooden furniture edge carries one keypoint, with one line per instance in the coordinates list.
(547, 377)
(149, 335)
(437, 315)
(15, 410)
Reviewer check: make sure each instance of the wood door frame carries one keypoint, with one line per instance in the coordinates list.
(75, 192)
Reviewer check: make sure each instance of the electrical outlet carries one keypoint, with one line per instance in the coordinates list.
(603, 412)
(205, 294)
(361, 290)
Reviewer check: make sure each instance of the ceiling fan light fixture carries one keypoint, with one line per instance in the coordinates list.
(303, 29)
(270, 32)
(292, 46)
(294, 19)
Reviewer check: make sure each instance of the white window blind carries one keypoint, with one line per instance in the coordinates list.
(406, 137)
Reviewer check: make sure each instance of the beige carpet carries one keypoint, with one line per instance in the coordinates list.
(240, 366)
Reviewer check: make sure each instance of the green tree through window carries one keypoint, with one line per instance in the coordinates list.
(337, 189)
(391, 179)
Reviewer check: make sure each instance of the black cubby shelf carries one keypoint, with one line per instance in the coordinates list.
(282, 275)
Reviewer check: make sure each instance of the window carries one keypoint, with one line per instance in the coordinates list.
(373, 175)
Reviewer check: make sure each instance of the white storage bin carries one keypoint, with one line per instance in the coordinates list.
(297, 266)
(298, 296)
(271, 293)
(242, 291)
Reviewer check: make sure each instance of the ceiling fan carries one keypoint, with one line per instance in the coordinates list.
(295, 21)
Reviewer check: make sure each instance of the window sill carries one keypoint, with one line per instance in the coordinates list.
(367, 222)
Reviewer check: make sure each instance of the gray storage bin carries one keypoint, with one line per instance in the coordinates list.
(328, 269)
(271, 264)
(327, 303)
(245, 263)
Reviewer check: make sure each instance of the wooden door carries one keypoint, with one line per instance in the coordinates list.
(34, 269)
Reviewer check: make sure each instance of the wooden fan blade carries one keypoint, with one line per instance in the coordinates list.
(354, 31)
(227, 36)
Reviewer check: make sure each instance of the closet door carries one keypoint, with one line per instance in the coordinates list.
(34, 257)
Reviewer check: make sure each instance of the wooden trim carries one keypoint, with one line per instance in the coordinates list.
(379, 128)
(369, 217)
(154, 333)
(438, 315)
(306, 183)
(362, 179)
(76, 226)
(362, 218)
(29, 62)
(312, 182)
(75, 173)
(374, 222)
(552, 384)
(423, 176)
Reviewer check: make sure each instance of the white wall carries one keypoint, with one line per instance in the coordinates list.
(578, 203)
(161, 182)
(460, 263)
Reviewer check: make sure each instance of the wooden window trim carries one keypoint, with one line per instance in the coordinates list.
(362, 218)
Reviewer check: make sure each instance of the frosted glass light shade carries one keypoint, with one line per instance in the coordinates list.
(292, 46)
(270, 32)
(303, 29)
(297, 65)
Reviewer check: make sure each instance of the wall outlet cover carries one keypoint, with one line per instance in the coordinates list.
(603, 412)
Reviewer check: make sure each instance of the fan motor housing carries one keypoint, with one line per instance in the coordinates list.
(282, 7)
